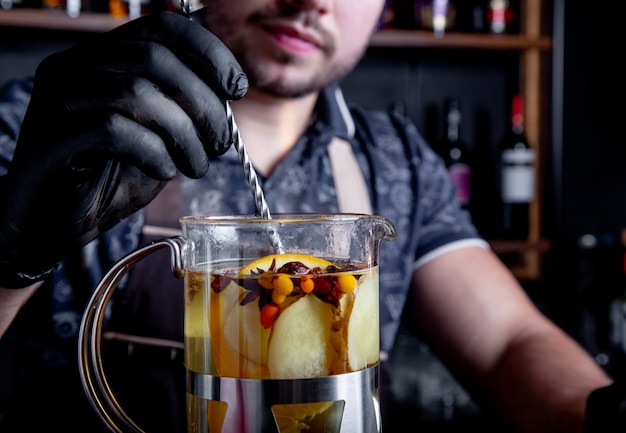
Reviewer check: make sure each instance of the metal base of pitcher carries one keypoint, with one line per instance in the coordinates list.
(250, 401)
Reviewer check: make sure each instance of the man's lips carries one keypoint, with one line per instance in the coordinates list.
(293, 39)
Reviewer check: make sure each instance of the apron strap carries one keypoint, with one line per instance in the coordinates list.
(162, 213)
(352, 193)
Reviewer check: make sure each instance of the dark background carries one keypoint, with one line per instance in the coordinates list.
(589, 148)
(585, 188)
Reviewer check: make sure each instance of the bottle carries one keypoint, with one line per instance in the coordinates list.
(585, 287)
(517, 175)
(456, 154)
(617, 312)
(71, 7)
(387, 17)
(128, 8)
(436, 15)
(499, 16)
(599, 287)
(54, 4)
(479, 18)
(10, 4)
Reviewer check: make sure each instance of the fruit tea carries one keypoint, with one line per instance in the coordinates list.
(283, 316)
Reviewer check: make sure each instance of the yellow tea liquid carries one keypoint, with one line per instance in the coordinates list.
(280, 317)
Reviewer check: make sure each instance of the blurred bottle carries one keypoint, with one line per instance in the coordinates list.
(54, 4)
(586, 291)
(136, 8)
(600, 290)
(128, 8)
(72, 7)
(387, 17)
(479, 16)
(617, 312)
(517, 175)
(436, 15)
(499, 16)
(456, 153)
(10, 4)
(609, 297)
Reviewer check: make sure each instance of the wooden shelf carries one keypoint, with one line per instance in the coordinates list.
(531, 44)
(101, 22)
(527, 256)
(518, 246)
(425, 39)
(59, 20)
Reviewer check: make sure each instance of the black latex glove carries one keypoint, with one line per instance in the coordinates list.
(110, 121)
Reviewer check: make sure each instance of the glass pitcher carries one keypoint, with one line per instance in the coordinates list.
(281, 328)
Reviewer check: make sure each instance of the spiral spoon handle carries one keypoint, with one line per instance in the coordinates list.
(251, 176)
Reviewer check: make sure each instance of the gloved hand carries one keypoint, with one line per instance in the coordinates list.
(110, 121)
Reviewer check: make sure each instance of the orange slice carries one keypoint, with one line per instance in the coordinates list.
(264, 263)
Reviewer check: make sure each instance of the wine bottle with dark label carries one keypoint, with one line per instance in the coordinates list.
(456, 153)
(517, 175)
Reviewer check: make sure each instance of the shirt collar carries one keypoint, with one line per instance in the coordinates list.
(331, 115)
(331, 109)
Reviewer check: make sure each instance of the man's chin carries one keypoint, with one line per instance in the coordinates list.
(288, 89)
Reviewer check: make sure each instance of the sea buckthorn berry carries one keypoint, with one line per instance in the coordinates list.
(277, 298)
(346, 283)
(307, 284)
(268, 314)
(282, 284)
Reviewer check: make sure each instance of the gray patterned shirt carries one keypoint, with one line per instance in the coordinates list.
(407, 182)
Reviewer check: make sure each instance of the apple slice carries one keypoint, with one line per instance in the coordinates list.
(363, 325)
(241, 327)
(244, 333)
(300, 345)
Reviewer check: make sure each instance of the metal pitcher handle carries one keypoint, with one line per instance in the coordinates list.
(90, 365)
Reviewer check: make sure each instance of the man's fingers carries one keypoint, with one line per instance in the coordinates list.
(198, 48)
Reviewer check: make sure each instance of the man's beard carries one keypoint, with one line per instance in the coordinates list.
(260, 78)
(257, 71)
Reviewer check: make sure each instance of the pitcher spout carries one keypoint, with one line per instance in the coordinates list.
(387, 230)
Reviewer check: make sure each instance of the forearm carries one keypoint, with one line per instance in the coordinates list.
(516, 363)
(542, 383)
(11, 301)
